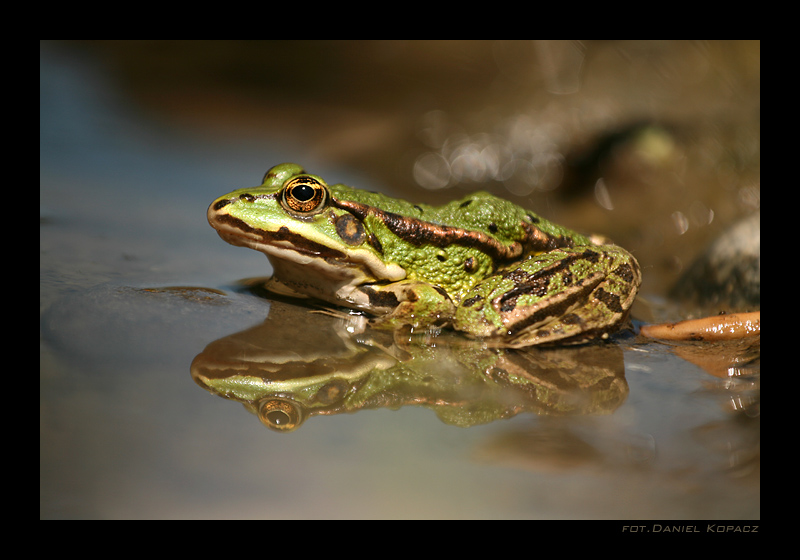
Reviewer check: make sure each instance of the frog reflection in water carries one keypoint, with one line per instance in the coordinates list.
(285, 379)
(480, 265)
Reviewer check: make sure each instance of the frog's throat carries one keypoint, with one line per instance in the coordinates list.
(419, 232)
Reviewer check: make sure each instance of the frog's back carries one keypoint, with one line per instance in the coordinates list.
(480, 211)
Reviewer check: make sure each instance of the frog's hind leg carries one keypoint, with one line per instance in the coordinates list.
(565, 296)
(593, 308)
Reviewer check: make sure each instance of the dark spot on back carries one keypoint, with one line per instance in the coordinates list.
(469, 302)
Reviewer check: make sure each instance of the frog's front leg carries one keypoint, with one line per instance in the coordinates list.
(565, 295)
(407, 303)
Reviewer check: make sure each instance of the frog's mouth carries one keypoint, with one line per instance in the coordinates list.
(285, 245)
(277, 243)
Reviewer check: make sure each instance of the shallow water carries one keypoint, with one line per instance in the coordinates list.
(126, 432)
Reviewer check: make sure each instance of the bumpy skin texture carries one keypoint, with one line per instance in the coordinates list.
(480, 264)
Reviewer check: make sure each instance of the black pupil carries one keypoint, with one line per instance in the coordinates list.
(278, 417)
(303, 193)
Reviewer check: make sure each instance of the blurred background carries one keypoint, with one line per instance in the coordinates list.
(655, 144)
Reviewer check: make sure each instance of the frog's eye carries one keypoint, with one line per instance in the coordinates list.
(280, 414)
(304, 195)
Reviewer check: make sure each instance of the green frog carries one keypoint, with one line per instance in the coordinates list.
(480, 265)
(285, 379)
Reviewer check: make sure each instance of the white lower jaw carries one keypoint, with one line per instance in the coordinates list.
(362, 260)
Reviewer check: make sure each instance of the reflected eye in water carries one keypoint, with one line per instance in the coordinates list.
(280, 414)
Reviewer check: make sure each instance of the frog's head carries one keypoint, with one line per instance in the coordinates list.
(293, 218)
